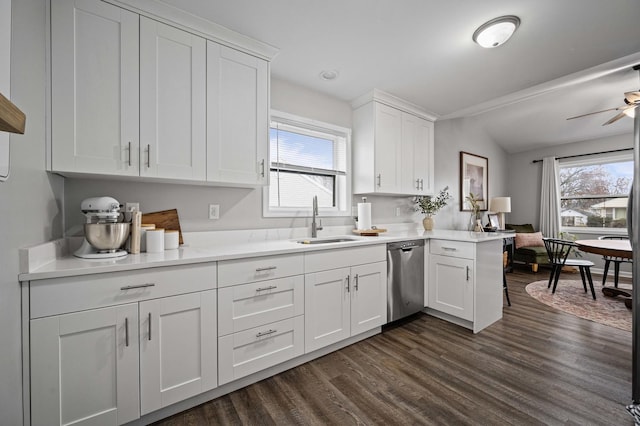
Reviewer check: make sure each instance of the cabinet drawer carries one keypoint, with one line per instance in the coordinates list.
(247, 352)
(241, 271)
(342, 258)
(251, 305)
(70, 294)
(452, 248)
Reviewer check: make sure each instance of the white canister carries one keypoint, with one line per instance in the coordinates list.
(171, 239)
(143, 239)
(155, 240)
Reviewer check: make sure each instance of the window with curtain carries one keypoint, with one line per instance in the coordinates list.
(594, 192)
(307, 158)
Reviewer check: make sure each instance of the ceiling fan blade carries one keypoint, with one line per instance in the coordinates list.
(591, 113)
(632, 97)
(614, 119)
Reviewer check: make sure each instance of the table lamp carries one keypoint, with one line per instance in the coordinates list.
(500, 205)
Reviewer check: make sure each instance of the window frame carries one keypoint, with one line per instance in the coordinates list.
(592, 161)
(318, 129)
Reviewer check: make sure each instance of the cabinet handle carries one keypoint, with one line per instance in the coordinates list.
(129, 153)
(467, 273)
(418, 184)
(148, 155)
(266, 333)
(126, 332)
(379, 179)
(355, 282)
(449, 249)
(348, 289)
(421, 184)
(149, 326)
(271, 287)
(130, 287)
(262, 168)
(266, 268)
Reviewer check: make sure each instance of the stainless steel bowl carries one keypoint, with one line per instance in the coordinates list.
(106, 236)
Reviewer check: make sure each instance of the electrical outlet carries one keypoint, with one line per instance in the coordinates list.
(214, 211)
(129, 207)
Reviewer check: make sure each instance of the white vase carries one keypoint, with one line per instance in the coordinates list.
(428, 223)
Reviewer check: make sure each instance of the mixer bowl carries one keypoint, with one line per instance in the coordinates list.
(106, 236)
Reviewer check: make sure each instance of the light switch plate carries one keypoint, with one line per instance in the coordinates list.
(214, 211)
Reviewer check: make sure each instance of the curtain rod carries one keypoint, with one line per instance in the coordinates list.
(584, 155)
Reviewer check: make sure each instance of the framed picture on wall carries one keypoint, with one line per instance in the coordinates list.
(474, 179)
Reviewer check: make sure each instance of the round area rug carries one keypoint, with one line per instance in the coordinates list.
(571, 298)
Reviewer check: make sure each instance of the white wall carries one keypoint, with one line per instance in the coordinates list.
(463, 134)
(30, 201)
(525, 177)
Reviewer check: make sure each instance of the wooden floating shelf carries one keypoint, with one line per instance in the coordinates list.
(11, 118)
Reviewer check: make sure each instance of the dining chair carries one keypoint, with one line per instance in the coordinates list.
(558, 252)
(616, 260)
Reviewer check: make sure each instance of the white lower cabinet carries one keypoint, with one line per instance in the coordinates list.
(344, 302)
(465, 282)
(84, 367)
(260, 321)
(108, 365)
(177, 349)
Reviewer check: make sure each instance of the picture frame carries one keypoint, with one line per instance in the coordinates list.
(474, 178)
(494, 220)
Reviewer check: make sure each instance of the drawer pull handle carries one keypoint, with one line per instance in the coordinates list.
(379, 180)
(467, 273)
(449, 249)
(129, 150)
(148, 155)
(130, 287)
(262, 168)
(271, 287)
(126, 332)
(149, 326)
(266, 268)
(355, 282)
(266, 333)
(348, 284)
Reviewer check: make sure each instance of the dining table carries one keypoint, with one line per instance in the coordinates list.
(613, 248)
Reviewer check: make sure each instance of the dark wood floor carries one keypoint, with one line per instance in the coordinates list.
(535, 366)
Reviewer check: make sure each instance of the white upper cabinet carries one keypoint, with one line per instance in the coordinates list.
(94, 90)
(393, 147)
(172, 102)
(132, 96)
(237, 117)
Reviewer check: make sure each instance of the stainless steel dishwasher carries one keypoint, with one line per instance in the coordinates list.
(405, 278)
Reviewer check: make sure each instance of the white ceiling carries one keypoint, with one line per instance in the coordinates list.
(421, 51)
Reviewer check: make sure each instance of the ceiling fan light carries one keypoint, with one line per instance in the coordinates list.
(496, 32)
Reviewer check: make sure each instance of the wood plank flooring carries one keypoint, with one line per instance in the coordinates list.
(537, 366)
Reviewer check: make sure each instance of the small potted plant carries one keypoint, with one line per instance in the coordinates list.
(429, 205)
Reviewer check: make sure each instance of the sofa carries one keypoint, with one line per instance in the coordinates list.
(528, 249)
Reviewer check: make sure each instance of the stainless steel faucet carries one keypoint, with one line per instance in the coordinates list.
(314, 213)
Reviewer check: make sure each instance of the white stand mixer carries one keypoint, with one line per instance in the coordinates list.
(104, 235)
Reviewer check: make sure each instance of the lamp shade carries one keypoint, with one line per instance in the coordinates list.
(500, 204)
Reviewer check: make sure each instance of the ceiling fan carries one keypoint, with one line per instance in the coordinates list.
(632, 101)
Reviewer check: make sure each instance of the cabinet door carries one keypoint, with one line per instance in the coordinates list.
(84, 367)
(417, 155)
(388, 134)
(237, 117)
(172, 102)
(451, 286)
(368, 297)
(94, 90)
(326, 308)
(178, 348)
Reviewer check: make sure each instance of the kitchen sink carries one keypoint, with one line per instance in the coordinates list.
(327, 240)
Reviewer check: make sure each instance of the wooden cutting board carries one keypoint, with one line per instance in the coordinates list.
(167, 219)
(369, 232)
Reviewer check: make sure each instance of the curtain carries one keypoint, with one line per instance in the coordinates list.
(550, 198)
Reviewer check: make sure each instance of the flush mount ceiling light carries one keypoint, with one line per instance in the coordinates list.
(329, 75)
(496, 32)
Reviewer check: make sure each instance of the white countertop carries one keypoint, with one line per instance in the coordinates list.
(52, 260)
